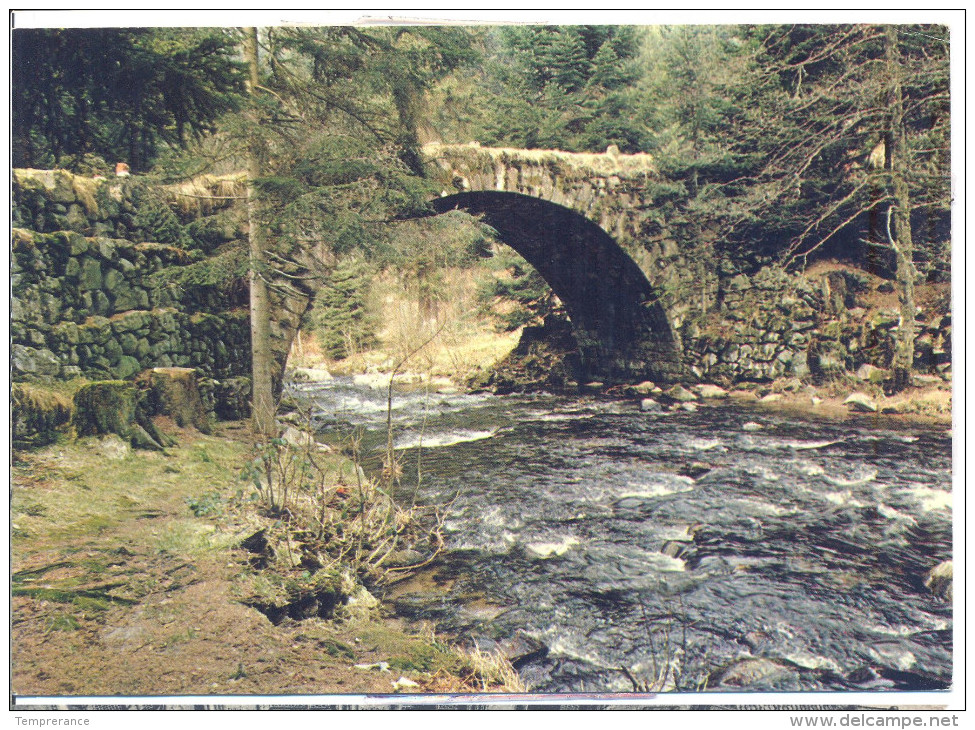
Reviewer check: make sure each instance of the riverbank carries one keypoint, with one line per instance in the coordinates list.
(926, 404)
(129, 578)
(540, 359)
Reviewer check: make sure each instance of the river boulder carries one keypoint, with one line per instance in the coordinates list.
(680, 394)
(707, 390)
(753, 671)
(861, 402)
(649, 405)
(940, 580)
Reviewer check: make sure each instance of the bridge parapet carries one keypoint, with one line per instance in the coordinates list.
(611, 189)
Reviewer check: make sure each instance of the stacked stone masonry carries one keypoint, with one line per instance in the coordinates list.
(775, 324)
(85, 302)
(88, 298)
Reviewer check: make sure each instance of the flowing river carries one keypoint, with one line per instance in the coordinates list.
(608, 549)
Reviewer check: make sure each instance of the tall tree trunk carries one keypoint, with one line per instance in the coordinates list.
(901, 240)
(262, 358)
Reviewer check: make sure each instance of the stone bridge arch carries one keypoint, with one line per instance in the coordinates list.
(620, 325)
(585, 222)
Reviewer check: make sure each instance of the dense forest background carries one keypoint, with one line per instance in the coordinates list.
(769, 131)
(776, 145)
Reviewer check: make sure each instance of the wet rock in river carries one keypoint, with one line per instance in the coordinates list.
(522, 649)
(861, 402)
(940, 579)
(680, 394)
(694, 470)
(649, 405)
(706, 390)
(402, 558)
(311, 375)
(753, 671)
(676, 548)
(423, 606)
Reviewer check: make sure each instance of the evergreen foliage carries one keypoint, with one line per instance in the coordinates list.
(518, 282)
(774, 144)
(118, 93)
(341, 318)
(159, 223)
(563, 87)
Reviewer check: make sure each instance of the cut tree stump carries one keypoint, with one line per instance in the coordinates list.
(175, 392)
(37, 414)
(113, 406)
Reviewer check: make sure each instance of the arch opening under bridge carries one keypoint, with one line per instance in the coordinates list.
(621, 328)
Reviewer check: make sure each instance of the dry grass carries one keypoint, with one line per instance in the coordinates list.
(582, 162)
(493, 671)
(455, 340)
(205, 194)
(84, 188)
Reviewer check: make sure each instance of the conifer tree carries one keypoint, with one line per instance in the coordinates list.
(122, 93)
(341, 318)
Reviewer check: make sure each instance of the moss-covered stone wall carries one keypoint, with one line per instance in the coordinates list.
(818, 326)
(92, 296)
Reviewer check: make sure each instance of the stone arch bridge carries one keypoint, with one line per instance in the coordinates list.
(585, 222)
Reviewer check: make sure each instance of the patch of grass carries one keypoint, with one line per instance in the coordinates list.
(89, 605)
(336, 648)
(427, 655)
(91, 598)
(410, 652)
(97, 524)
(31, 509)
(206, 505)
(81, 494)
(33, 573)
(186, 538)
(63, 622)
(179, 637)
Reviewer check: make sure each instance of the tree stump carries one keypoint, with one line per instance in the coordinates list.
(36, 414)
(113, 406)
(175, 392)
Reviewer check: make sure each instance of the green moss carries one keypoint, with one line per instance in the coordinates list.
(106, 406)
(425, 656)
(112, 406)
(336, 648)
(90, 599)
(63, 622)
(37, 414)
(159, 223)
